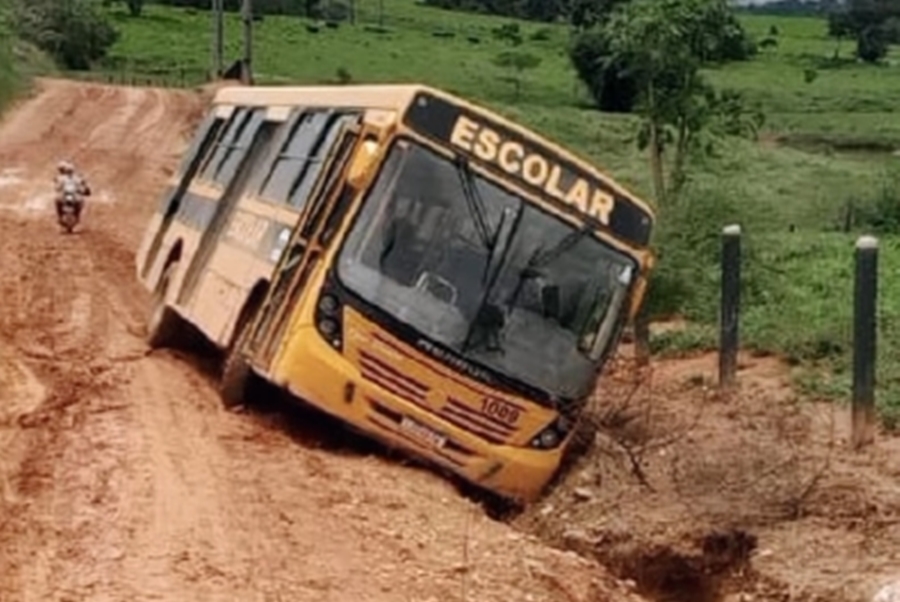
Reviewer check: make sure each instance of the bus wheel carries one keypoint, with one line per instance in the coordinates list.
(164, 324)
(236, 371)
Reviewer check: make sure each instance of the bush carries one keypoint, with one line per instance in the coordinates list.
(840, 24)
(872, 44)
(334, 11)
(880, 214)
(74, 33)
(509, 33)
(688, 241)
(343, 76)
(542, 35)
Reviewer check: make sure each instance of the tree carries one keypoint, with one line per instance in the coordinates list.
(712, 35)
(872, 22)
(540, 10)
(662, 45)
(585, 14)
(872, 44)
(607, 78)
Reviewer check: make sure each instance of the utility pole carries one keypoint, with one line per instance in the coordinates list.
(246, 72)
(218, 36)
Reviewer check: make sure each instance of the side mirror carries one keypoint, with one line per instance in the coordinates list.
(550, 300)
(362, 162)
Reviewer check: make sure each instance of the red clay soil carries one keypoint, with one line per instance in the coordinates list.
(755, 495)
(123, 479)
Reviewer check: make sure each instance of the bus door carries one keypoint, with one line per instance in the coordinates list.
(241, 150)
(189, 167)
(327, 203)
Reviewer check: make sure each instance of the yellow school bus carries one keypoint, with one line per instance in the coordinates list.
(432, 274)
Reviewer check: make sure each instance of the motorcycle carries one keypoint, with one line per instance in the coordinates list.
(70, 208)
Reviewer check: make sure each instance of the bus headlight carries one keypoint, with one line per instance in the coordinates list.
(552, 436)
(328, 327)
(329, 321)
(328, 305)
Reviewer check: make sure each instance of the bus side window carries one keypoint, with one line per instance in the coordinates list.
(217, 151)
(292, 159)
(306, 181)
(233, 153)
(210, 126)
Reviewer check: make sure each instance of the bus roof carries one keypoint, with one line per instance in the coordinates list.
(379, 96)
(398, 97)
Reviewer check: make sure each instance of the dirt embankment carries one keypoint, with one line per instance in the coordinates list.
(756, 495)
(122, 479)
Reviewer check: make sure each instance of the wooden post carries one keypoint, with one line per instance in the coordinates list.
(864, 335)
(246, 71)
(218, 45)
(730, 305)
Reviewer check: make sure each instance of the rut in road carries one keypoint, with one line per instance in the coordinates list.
(126, 478)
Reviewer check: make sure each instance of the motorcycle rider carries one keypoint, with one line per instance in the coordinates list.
(67, 177)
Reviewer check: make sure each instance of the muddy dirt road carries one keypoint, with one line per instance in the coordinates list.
(122, 479)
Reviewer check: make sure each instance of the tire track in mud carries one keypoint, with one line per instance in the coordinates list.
(69, 475)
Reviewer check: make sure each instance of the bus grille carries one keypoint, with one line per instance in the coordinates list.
(380, 373)
(454, 411)
(492, 430)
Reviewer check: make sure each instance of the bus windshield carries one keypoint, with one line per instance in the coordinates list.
(483, 272)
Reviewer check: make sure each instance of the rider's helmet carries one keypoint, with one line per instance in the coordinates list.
(65, 167)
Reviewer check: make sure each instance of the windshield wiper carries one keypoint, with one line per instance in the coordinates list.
(489, 319)
(477, 209)
(474, 202)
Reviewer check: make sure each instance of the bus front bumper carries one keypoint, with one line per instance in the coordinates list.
(326, 380)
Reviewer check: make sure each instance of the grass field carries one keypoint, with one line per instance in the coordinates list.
(827, 142)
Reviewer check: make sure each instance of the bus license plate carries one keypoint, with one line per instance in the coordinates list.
(422, 433)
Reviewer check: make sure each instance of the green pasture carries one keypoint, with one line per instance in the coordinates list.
(827, 146)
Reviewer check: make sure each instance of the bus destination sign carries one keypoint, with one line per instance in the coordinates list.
(509, 153)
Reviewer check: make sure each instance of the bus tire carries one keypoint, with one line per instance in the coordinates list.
(163, 325)
(236, 372)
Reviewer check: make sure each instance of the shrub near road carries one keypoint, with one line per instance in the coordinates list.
(826, 146)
